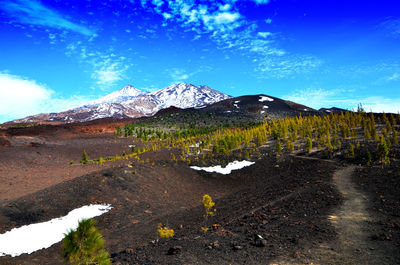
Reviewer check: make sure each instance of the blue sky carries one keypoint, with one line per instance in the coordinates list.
(58, 54)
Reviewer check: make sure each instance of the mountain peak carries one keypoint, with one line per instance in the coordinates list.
(129, 90)
(126, 93)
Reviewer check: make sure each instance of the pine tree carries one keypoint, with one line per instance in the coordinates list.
(85, 245)
(308, 144)
(383, 151)
(395, 137)
(85, 158)
(278, 146)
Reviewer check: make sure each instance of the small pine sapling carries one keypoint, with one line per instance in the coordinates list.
(85, 158)
(85, 245)
(209, 211)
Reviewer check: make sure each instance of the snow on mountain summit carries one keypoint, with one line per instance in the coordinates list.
(187, 96)
(126, 93)
(132, 102)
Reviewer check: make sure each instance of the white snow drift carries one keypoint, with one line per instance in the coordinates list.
(33, 237)
(264, 98)
(225, 170)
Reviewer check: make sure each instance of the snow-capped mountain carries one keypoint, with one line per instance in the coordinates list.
(186, 96)
(126, 93)
(131, 102)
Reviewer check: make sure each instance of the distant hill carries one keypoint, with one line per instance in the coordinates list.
(332, 110)
(258, 106)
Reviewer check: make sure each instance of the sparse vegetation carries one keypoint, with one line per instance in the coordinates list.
(165, 232)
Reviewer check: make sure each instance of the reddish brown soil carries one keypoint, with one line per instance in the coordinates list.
(38, 157)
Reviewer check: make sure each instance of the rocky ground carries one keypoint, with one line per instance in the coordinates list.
(281, 210)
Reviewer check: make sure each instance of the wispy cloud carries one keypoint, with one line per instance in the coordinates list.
(178, 74)
(392, 25)
(261, 2)
(108, 72)
(393, 77)
(33, 12)
(318, 98)
(23, 97)
(105, 67)
(223, 24)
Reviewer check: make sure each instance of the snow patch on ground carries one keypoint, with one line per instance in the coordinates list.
(263, 111)
(33, 237)
(200, 107)
(237, 101)
(265, 107)
(235, 165)
(264, 98)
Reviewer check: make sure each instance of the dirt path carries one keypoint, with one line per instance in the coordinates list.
(354, 226)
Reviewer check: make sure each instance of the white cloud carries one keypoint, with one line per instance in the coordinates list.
(261, 2)
(394, 77)
(226, 17)
(225, 7)
(167, 15)
(32, 12)
(178, 74)
(108, 72)
(264, 34)
(23, 97)
(268, 21)
(20, 96)
(319, 98)
(105, 68)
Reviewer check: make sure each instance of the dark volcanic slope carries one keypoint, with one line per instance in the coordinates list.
(256, 106)
(262, 199)
(332, 110)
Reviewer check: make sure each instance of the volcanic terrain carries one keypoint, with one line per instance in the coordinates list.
(289, 207)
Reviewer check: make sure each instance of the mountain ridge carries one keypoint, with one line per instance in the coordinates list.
(130, 102)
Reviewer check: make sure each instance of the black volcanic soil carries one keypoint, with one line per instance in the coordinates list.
(285, 210)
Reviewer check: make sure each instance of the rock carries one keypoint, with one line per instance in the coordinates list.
(261, 243)
(213, 245)
(174, 250)
(129, 250)
(237, 248)
(216, 244)
(294, 240)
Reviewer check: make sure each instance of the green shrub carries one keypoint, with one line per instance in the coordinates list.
(85, 245)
